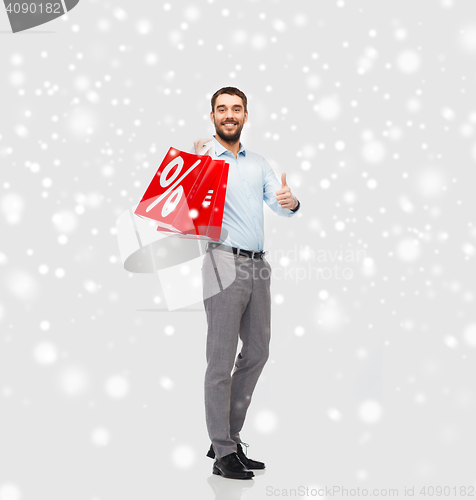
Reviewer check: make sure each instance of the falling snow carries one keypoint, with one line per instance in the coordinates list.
(368, 109)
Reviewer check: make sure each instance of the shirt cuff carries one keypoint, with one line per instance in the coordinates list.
(297, 207)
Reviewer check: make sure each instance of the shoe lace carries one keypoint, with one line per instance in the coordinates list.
(246, 448)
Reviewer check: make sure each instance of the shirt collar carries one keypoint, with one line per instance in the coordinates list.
(220, 149)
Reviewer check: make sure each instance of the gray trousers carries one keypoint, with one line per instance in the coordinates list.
(237, 302)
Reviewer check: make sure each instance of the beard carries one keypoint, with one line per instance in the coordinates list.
(226, 135)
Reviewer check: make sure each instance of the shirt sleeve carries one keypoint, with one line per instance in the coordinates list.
(270, 186)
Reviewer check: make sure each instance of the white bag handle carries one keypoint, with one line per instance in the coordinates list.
(208, 147)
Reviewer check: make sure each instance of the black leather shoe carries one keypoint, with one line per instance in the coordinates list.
(250, 464)
(247, 462)
(231, 467)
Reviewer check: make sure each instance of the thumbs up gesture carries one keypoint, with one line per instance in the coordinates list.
(284, 196)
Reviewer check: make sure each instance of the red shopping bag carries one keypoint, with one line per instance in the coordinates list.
(182, 191)
(208, 223)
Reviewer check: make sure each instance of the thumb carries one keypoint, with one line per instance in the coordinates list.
(283, 180)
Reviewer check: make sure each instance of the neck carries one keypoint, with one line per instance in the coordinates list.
(234, 147)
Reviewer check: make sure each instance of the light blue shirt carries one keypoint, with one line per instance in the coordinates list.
(251, 180)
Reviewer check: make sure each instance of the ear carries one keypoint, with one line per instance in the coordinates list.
(245, 118)
(212, 117)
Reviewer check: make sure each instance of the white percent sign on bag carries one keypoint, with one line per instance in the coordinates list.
(176, 190)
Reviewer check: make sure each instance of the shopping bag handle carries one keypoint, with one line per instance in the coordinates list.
(208, 146)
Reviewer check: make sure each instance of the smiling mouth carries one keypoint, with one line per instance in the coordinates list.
(229, 125)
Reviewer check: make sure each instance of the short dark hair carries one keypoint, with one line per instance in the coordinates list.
(230, 91)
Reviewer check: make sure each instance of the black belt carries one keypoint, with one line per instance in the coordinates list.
(254, 254)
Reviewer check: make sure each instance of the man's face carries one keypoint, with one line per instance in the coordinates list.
(229, 117)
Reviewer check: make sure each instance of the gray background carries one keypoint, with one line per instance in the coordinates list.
(367, 106)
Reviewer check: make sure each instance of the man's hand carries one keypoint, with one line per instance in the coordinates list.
(284, 196)
(199, 144)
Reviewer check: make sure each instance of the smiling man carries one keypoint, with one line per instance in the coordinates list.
(229, 117)
(243, 308)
